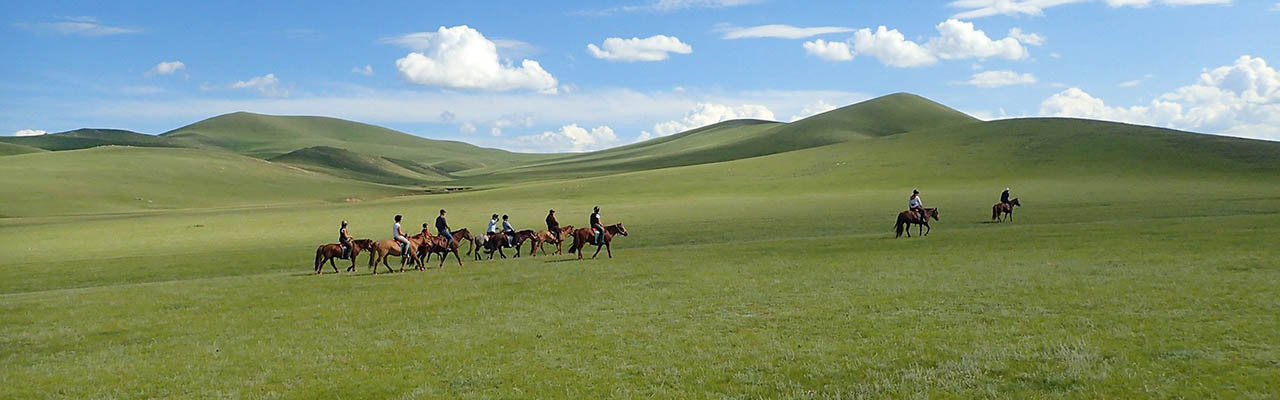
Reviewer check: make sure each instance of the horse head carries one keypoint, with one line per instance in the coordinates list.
(1015, 202)
(621, 229)
(362, 244)
(933, 212)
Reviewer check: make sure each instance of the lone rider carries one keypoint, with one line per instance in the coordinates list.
(1004, 197)
(509, 231)
(344, 239)
(443, 227)
(596, 227)
(915, 204)
(553, 226)
(399, 236)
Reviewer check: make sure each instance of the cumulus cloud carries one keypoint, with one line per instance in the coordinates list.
(971, 9)
(366, 71)
(653, 48)
(467, 128)
(568, 138)
(166, 68)
(956, 40)
(994, 79)
(830, 51)
(704, 114)
(1027, 38)
(1241, 99)
(29, 132)
(267, 84)
(79, 26)
(510, 121)
(780, 31)
(461, 58)
(812, 109)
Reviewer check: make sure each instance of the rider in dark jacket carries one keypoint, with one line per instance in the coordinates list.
(1004, 197)
(443, 227)
(553, 226)
(344, 239)
(596, 226)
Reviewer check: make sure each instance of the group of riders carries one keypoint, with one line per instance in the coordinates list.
(496, 228)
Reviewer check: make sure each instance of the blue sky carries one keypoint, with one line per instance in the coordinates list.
(564, 76)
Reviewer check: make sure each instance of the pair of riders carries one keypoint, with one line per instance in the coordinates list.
(441, 225)
(507, 230)
(915, 204)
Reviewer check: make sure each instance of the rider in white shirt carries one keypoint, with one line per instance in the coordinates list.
(399, 234)
(915, 204)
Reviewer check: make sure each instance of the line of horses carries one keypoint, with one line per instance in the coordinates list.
(1000, 212)
(423, 245)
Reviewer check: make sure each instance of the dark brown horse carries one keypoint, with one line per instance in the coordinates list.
(442, 246)
(999, 210)
(544, 237)
(906, 218)
(583, 236)
(328, 252)
(460, 236)
(499, 241)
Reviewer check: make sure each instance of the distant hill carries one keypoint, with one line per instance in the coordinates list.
(267, 136)
(8, 149)
(738, 139)
(348, 164)
(122, 179)
(86, 138)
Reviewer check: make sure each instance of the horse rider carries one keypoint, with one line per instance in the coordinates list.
(553, 226)
(509, 231)
(443, 227)
(915, 204)
(493, 228)
(425, 233)
(344, 240)
(1004, 197)
(399, 237)
(596, 226)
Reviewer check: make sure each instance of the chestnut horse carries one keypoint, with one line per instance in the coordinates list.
(583, 236)
(911, 217)
(328, 252)
(440, 245)
(499, 241)
(544, 237)
(390, 247)
(458, 236)
(998, 210)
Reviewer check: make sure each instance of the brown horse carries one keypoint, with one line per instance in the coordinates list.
(583, 236)
(328, 252)
(442, 246)
(544, 237)
(390, 247)
(998, 210)
(499, 241)
(459, 236)
(911, 217)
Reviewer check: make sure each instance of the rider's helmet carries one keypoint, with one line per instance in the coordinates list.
(914, 191)
(344, 223)
(597, 208)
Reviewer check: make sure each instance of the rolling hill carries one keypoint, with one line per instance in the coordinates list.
(86, 138)
(8, 149)
(351, 165)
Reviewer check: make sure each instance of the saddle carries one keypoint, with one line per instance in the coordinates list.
(345, 253)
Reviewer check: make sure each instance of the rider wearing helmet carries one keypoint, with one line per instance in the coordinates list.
(1004, 197)
(596, 226)
(493, 228)
(509, 231)
(915, 204)
(344, 240)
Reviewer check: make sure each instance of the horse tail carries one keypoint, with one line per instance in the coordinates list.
(574, 246)
(995, 212)
(898, 226)
(319, 254)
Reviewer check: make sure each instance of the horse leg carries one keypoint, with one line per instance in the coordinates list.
(598, 247)
(608, 248)
(455, 256)
(335, 267)
(926, 225)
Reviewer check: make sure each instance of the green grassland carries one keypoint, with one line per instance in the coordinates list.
(1141, 266)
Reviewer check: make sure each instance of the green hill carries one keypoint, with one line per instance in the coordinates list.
(121, 179)
(8, 149)
(267, 136)
(86, 138)
(739, 139)
(348, 164)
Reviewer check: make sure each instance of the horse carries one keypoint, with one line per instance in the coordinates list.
(442, 246)
(328, 252)
(544, 237)
(391, 247)
(583, 236)
(911, 217)
(458, 236)
(498, 241)
(998, 210)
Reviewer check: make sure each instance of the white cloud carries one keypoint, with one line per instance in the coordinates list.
(653, 48)
(1242, 99)
(1276, 7)
(1055, 55)
(1027, 38)
(568, 138)
(780, 31)
(1132, 83)
(267, 84)
(166, 68)
(891, 48)
(993, 79)
(704, 114)
(986, 8)
(811, 110)
(960, 40)
(830, 51)
(467, 128)
(29, 132)
(510, 121)
(366, 71)
(81, 26)
(461, 58)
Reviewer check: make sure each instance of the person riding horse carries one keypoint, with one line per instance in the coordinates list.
(508, 231)
(399, 236)
(443, 227)
(1004, 197)
(596, 226)
(492, 230)
(344, 239)
(915, 204)
(553, 226)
